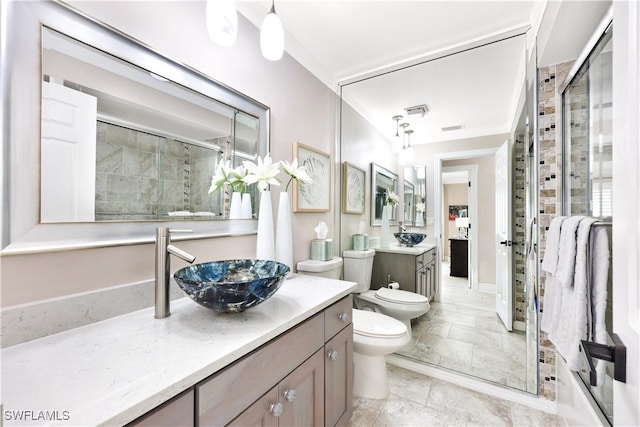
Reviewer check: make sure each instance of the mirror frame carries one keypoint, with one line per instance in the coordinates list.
(22, 231)
(375, 171)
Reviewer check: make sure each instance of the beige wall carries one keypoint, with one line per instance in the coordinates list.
(302, 109)
(453, 194)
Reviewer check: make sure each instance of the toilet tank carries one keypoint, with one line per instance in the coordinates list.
(358, 266)
(329, 269)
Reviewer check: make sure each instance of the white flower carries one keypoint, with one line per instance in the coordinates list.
(221, 177)
(420, 207)
(264, 173)
(392, 198)
(295, 172)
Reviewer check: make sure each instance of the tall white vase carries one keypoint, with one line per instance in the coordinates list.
(284, 239)
(384, 227)
(245, 211)
(236, 206)
(265, 248)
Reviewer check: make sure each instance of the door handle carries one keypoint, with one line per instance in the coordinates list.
(616, 353)
(506, 242)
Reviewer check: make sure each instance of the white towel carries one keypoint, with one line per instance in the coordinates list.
(552, 289)
(599, 283)
(567, 250)
(552, 244)
(575, 308)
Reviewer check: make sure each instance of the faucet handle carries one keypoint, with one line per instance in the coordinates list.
(174, 230)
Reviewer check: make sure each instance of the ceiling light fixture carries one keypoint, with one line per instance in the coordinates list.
(222, 21)
(407, 153)
(396, 143)
(272, 35)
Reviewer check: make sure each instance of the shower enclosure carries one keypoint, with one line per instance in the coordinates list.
(587, 172)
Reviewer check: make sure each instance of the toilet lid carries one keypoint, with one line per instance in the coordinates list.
(399, 296)
(372, 324)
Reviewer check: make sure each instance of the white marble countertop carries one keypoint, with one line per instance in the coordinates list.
(111, 372)
(414, 250)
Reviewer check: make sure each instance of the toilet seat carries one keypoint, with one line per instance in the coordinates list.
(376, 325)
(400, 296)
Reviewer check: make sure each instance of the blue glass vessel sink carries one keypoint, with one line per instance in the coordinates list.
(231, 286)
(409, 239)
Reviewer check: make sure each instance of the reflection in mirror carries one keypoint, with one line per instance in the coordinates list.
(409, 203)
(383, 182)
(416, 177)
(122, 143)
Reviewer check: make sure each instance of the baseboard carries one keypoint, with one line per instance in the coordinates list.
(478, 385)
(487, 288)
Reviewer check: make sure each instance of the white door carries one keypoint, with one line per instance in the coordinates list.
(68, 154)
(504, 290)
(626, 205)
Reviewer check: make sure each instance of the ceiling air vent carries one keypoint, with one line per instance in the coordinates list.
(418, 109)
(450, 128)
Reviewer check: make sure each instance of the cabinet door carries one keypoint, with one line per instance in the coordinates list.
(262, 413)
(338, 378)
(179, 411)
(301, 394)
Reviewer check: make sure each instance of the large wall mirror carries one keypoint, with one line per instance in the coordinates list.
(383, 182)
(109, 137)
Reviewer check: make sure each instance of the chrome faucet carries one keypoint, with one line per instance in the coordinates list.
(164, 249)
(401, 228)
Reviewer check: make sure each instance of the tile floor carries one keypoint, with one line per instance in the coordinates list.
(462, 332)
(417, 400)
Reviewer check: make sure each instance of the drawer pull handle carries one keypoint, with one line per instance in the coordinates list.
(276, 409)
(343, 317)
(333, 355)
(289, 395)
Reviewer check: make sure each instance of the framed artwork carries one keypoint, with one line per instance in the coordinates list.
(353, 189)
(458, 211)
(315, 196)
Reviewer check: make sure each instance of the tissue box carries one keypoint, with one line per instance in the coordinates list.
(360, 242)
(321, 249)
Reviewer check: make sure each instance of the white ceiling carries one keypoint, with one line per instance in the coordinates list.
(344, 42)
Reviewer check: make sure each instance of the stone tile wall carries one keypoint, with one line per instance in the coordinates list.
(550, 193)
(519, 225)
(143, 176)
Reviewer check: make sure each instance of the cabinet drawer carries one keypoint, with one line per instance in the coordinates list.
(225, 395)
(176, 412)
(429, 256)
(337, 316)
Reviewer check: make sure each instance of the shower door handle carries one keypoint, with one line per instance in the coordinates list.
(616, 353)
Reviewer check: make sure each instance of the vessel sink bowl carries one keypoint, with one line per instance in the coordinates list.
(231, 286)
(409, 239)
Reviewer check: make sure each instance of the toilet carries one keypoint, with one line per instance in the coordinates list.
(374, 336)
(399, 304)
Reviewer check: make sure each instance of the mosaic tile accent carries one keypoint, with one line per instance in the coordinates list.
(550, 193)
(519, 226)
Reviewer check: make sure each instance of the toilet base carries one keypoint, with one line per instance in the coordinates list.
(370, 376)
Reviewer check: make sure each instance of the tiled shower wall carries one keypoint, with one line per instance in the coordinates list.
(519, 226)
(143, 176)
(550, 192)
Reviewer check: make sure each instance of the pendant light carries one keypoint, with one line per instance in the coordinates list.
(272, 36)
(222, 21)
(408, 150)
(396, 144)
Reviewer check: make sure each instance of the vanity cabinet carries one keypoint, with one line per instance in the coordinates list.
(415, 273)
(303, 377)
